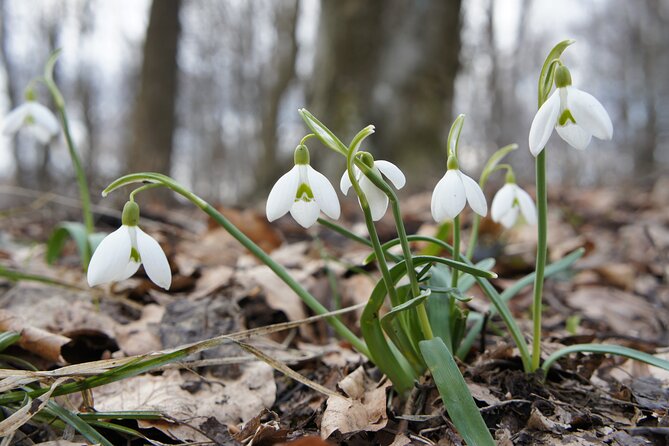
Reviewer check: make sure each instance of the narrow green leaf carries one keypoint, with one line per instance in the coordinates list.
(8, 338)
(606, 349)
(68, 229)
(552, 269)
(78, 424)
(454, 393)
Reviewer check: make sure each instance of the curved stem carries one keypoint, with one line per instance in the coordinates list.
(84, 194)
(279, 270)
(542, 234)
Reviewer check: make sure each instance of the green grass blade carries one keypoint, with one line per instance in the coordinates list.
(606, 349)
(74, 230)
(454, 393)
(8, 338)
(78, 424)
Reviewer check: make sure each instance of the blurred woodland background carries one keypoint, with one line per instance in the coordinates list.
(208, 90)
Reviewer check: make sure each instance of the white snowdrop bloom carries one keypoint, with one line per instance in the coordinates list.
(35, 117)
(120, 254)
(508, 202)
(576, 115)
(452, 192)
(304, 192)
(377, 199)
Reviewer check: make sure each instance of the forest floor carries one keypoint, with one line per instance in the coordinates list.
(617, 293)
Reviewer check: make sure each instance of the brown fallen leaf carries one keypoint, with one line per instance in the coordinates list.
(364, 411)
(35, 340)
(192, 400)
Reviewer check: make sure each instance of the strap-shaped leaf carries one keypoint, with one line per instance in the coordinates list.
(455, 394)
(618, 350)
(68, 229)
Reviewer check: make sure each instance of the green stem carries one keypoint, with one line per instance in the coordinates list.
(542, 234)
(474, 237)
(404, 242)
(456, 249)
(279, 270)
(84, 194)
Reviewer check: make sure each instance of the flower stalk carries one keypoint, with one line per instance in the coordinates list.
(279, 270)
(84, 194)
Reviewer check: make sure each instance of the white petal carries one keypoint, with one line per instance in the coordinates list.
(392, 172)
(503, 201)
(590, 114)
(510, 217)
(39, 133)
(345, 182)
(324, 193)
(378, 201)
(474, 195)
(574, 135)
(448, 198)
(305, 212)
(130, 270)
(282, 195)
(44, 117)
(15, 119)
(154, 260)
(111, 258)
(543, 123)
(527, 207)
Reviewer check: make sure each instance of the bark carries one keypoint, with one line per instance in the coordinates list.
(150, 148)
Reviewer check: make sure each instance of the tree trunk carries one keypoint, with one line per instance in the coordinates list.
(150, 147)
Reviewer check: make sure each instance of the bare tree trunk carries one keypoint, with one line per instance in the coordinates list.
(390, 63)
(154, 115)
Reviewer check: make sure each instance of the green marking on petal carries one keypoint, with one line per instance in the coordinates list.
(566, 116)
(304, 193)
(134, 255)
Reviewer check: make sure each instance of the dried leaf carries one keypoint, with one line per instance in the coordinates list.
(364, 411)
(35, 340)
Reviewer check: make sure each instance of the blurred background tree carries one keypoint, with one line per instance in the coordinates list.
(208, 91)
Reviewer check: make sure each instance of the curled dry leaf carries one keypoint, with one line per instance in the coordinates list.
(35, 340)
(364, 411)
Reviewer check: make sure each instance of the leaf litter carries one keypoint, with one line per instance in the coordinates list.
(226, 396)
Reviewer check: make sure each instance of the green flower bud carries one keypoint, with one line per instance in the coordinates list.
(562, 77)
(301, 155)
(130, 216)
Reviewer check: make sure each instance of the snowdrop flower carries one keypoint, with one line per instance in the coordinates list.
(508, 202)
(377, 199)
(35, 117)
(576, 115)
(119, 254)
(453, 191)
(304, 192)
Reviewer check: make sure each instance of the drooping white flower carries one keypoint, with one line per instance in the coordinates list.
(452, 192)
(377, 199)
(508, 202)
(304, 192)
(576, 115)
(35, 117)
(119, 255)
